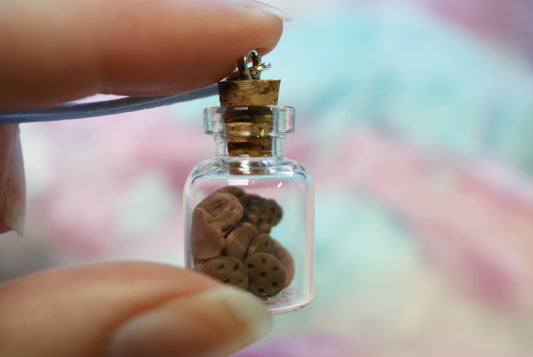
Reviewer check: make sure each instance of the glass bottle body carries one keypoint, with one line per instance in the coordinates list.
(266, 183)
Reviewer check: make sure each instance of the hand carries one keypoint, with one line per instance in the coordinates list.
(58, 50)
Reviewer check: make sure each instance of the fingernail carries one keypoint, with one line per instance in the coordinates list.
(216, 322)
(14, 196)
(267, 8)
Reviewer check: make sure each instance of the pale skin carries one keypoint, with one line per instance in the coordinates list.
(61, 50)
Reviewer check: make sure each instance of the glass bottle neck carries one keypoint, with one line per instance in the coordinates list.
(252, 132)
(249, 146)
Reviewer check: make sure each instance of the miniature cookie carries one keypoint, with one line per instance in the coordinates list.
(235, 191)
(266, 273)
(238, 241)
(224, 211)
(226, 269)
(261, 244)
(207, 242)
(261, 212)
(286, 260)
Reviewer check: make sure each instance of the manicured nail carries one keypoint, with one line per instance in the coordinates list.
(268, 8)
(216, 322)
(12, 207)
(13, 215)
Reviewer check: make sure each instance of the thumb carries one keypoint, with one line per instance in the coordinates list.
(126, 309)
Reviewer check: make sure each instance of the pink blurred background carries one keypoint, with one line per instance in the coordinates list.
(415, 119)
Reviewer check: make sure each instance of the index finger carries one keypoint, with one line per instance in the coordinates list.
(60, 50)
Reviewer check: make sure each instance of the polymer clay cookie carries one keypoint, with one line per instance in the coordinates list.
(266, 273)
(261, 212)
(224, 211)
(235, 191)
(286, 260)
(238, 241)
(261, 244)
(226, 269)
(207, 242)
(230, 226)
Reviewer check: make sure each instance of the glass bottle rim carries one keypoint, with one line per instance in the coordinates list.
(282, 117)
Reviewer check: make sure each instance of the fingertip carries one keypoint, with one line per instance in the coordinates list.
(129, 309)
(201, 49)
(216, 322)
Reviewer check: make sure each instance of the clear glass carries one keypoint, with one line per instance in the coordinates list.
(263, 171)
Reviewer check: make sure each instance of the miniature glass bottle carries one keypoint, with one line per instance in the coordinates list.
(249, 210)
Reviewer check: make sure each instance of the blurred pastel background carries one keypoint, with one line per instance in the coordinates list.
(416, 121)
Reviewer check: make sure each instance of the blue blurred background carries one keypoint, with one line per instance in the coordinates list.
(415, 119)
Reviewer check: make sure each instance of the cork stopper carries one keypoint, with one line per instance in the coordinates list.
(249, 132)
(248, 92)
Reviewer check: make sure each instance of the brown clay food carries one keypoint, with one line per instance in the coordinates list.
(207, 242)
(261, 212)
(224, 211)
(235, 191)
(226, 269)
(238, 241)
(261, 244)
(266, 273)
(245, 220)
(286, 260)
